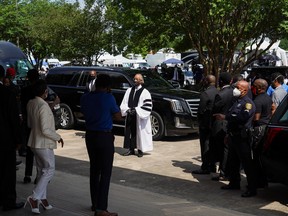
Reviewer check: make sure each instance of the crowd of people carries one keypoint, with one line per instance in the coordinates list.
(177, 74)
(232, 122)
(27, 122)
(227, 117)
(29, 111)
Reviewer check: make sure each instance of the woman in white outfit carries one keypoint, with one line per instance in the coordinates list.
(42, 140)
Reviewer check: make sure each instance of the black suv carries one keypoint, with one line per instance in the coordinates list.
(174, 110)
(265, 72)
(275, 149)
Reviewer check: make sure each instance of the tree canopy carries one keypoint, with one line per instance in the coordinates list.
(215, 28)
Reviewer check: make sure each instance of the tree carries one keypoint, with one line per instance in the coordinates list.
(89, 32)
(39, 27)
(48, 28)
(219, 27)
(224, 26)
(12, 21)
(145, 24)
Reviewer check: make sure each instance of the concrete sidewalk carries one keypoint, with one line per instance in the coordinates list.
(69, 195)
(159, 184)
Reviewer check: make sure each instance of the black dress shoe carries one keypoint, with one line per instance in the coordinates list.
(129, 153)
(201, 172)
(26, 180)
(219, 178)
(231, 187)
(249, 193)
(15, 206)
(140, 153)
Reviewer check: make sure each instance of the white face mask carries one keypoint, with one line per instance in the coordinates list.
(236, 92)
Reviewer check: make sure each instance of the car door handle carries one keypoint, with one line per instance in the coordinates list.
(81, 92)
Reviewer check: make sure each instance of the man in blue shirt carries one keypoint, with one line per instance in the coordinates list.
(270, 90)
(99, 108)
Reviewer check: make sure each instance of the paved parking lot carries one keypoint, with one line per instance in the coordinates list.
(160, 183)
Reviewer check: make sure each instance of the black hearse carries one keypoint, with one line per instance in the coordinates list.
(174, 110)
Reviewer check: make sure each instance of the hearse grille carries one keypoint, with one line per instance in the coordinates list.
(193, 105)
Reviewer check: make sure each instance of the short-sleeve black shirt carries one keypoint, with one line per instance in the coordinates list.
(263, 103)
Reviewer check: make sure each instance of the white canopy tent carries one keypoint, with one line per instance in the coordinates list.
(115, 60)
(274, 49)
(281, 53)
(264, 45)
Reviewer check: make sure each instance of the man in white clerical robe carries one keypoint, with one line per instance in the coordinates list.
(136, 106)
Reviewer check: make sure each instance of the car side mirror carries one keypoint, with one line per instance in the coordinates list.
(124, 86)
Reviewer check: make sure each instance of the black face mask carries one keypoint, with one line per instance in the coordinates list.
(91, 78)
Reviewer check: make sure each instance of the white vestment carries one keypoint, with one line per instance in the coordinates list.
(144, 132)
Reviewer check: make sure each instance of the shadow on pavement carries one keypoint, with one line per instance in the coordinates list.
(199, 189)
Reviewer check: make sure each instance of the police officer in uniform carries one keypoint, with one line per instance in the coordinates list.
(239, 118)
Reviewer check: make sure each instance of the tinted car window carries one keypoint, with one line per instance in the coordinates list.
(22, 66)
(83, 78)
(117, 79)
(284, 118)
(74, 80)
(280, 117)
(60, 79)
(153, 80)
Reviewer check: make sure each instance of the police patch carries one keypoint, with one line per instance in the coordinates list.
(248, 106)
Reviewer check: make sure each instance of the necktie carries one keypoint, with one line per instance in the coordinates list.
(92, 85)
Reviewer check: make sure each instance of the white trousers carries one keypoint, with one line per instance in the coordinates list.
(45, 164)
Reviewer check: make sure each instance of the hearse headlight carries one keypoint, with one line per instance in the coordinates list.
(176, 105)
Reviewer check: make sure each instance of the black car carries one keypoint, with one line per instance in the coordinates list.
(265, 72)
(174, 110)
(275, 149)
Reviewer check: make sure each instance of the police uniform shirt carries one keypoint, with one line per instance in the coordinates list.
(241, 114)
